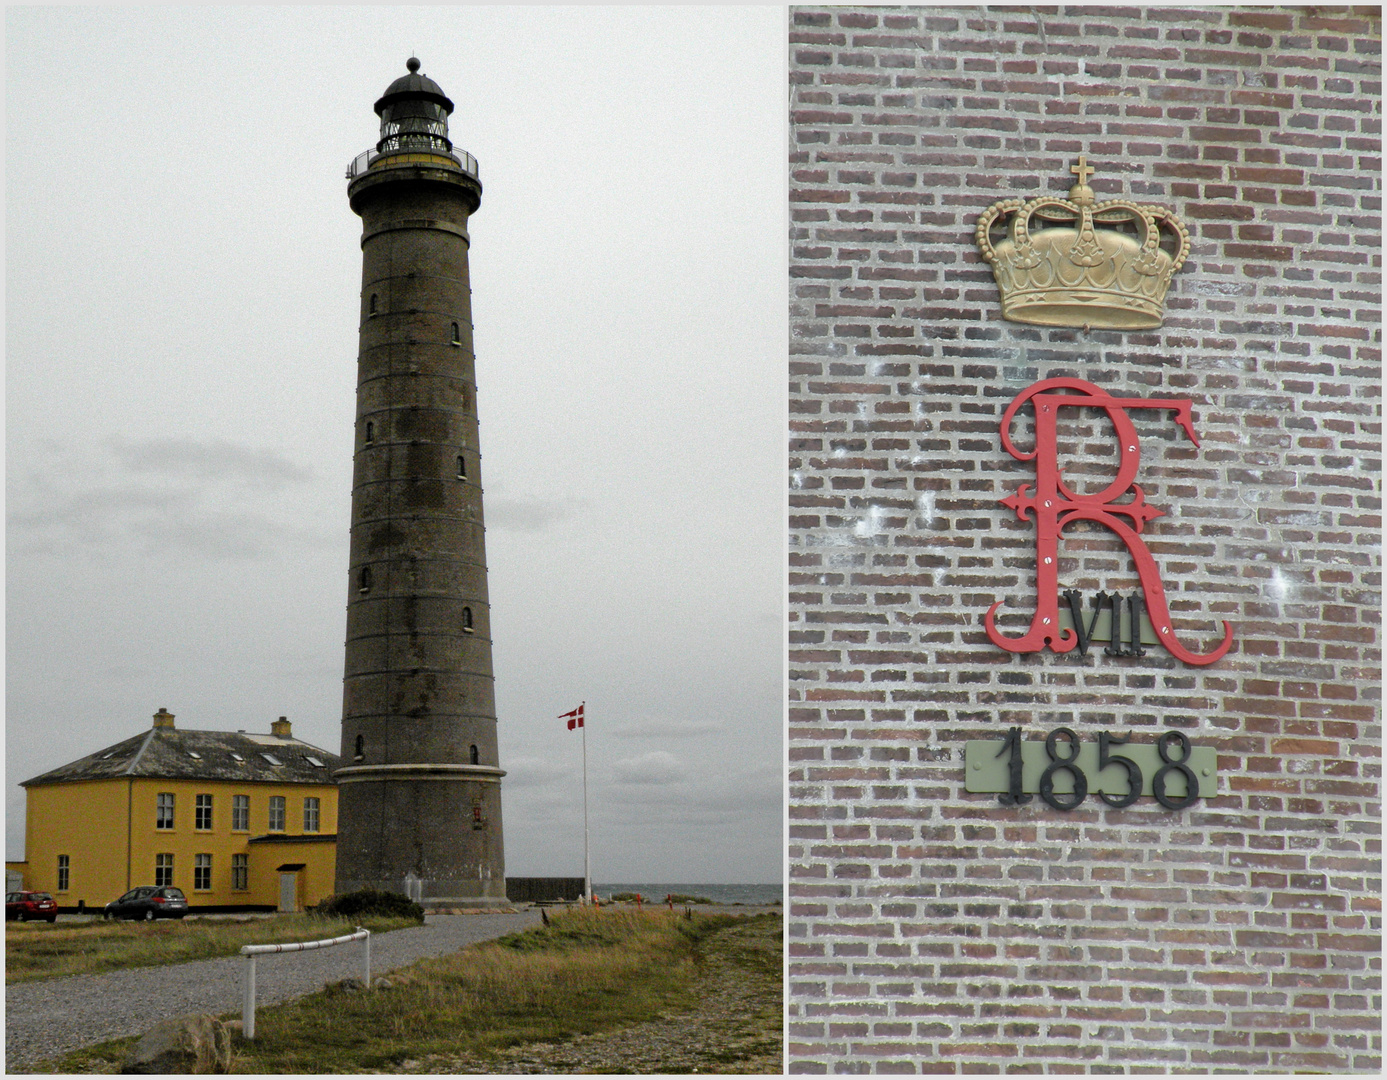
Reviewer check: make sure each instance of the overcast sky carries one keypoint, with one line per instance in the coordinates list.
(182, 276)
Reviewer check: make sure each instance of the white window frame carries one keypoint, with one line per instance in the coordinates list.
(240, 812)
(162, 802)
(312, 809)
(276, 823)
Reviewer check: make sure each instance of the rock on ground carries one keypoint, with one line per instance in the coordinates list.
(185, 1044)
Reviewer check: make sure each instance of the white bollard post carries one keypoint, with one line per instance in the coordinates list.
(248, 1000)
(251, 951)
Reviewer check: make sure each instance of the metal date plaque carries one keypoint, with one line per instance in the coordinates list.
(1064, 770)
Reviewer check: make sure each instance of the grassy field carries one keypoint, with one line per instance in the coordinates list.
(588, 971)
(49, 950)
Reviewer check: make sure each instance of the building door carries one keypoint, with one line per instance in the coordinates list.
(289, 890)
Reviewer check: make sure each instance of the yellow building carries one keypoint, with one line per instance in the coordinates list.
(233, 819)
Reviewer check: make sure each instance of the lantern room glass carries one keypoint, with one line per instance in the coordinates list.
(413, 124)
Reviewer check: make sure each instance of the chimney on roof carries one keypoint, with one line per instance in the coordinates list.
(280, 728)
(163, 719)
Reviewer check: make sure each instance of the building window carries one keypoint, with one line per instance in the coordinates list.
(457, 340)
(276, 813)
(163, 870)
(462, 467)
(240, 872)
(64, 868)
(240, 813)
(475, 755)
(202, 813)
(370, 431)
(373, 305)
(202, 872)
(163, 814)
(364, 580)
(467, 620)
(310, 814)
(360, 747)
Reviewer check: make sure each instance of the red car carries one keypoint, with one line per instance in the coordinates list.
(30, 905)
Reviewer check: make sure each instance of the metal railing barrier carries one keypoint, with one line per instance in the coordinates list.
(366, 158)
(250, 952)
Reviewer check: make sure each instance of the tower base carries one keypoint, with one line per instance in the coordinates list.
(429, 832)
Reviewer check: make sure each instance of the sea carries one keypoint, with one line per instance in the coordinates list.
(721, 894)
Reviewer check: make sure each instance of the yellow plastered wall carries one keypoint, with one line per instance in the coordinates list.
(86, 822)
(96, 823)
(315, 880)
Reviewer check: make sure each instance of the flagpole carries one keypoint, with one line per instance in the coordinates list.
(587, 866)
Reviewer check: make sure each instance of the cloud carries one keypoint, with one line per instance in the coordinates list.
(714, 799)
(210, 498)
(525, 515)
(208, 459)
(530, 772)
(656, 767)
(666, 729)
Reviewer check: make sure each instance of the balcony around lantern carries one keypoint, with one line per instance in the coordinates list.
(369, 158)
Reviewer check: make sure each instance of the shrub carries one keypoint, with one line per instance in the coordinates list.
(387, 905)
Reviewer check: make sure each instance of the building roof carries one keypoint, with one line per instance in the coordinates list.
(173, 754)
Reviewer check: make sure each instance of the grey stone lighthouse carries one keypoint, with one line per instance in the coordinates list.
(420, 795)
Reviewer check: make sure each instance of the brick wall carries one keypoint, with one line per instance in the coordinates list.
(933, 930)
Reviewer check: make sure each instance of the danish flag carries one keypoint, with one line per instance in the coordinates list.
(574, 718)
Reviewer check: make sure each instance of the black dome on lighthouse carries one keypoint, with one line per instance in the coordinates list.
(414, 86)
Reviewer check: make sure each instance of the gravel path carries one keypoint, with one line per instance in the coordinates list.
(45, 1019)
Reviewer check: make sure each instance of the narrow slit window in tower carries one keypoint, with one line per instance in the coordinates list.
(462, 467)
(456, 339)
(365, 580)
(467, 620)
(370, 431)
(476, 757)
(373, 306)
(360, 747)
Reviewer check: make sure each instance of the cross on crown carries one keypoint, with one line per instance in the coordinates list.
(1081, 192)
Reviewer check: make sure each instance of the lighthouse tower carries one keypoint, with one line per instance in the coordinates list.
(420, 795)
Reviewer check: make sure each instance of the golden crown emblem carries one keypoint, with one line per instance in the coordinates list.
(1077, 262)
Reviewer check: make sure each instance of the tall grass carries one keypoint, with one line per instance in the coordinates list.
(589, 970)
(48, 951)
